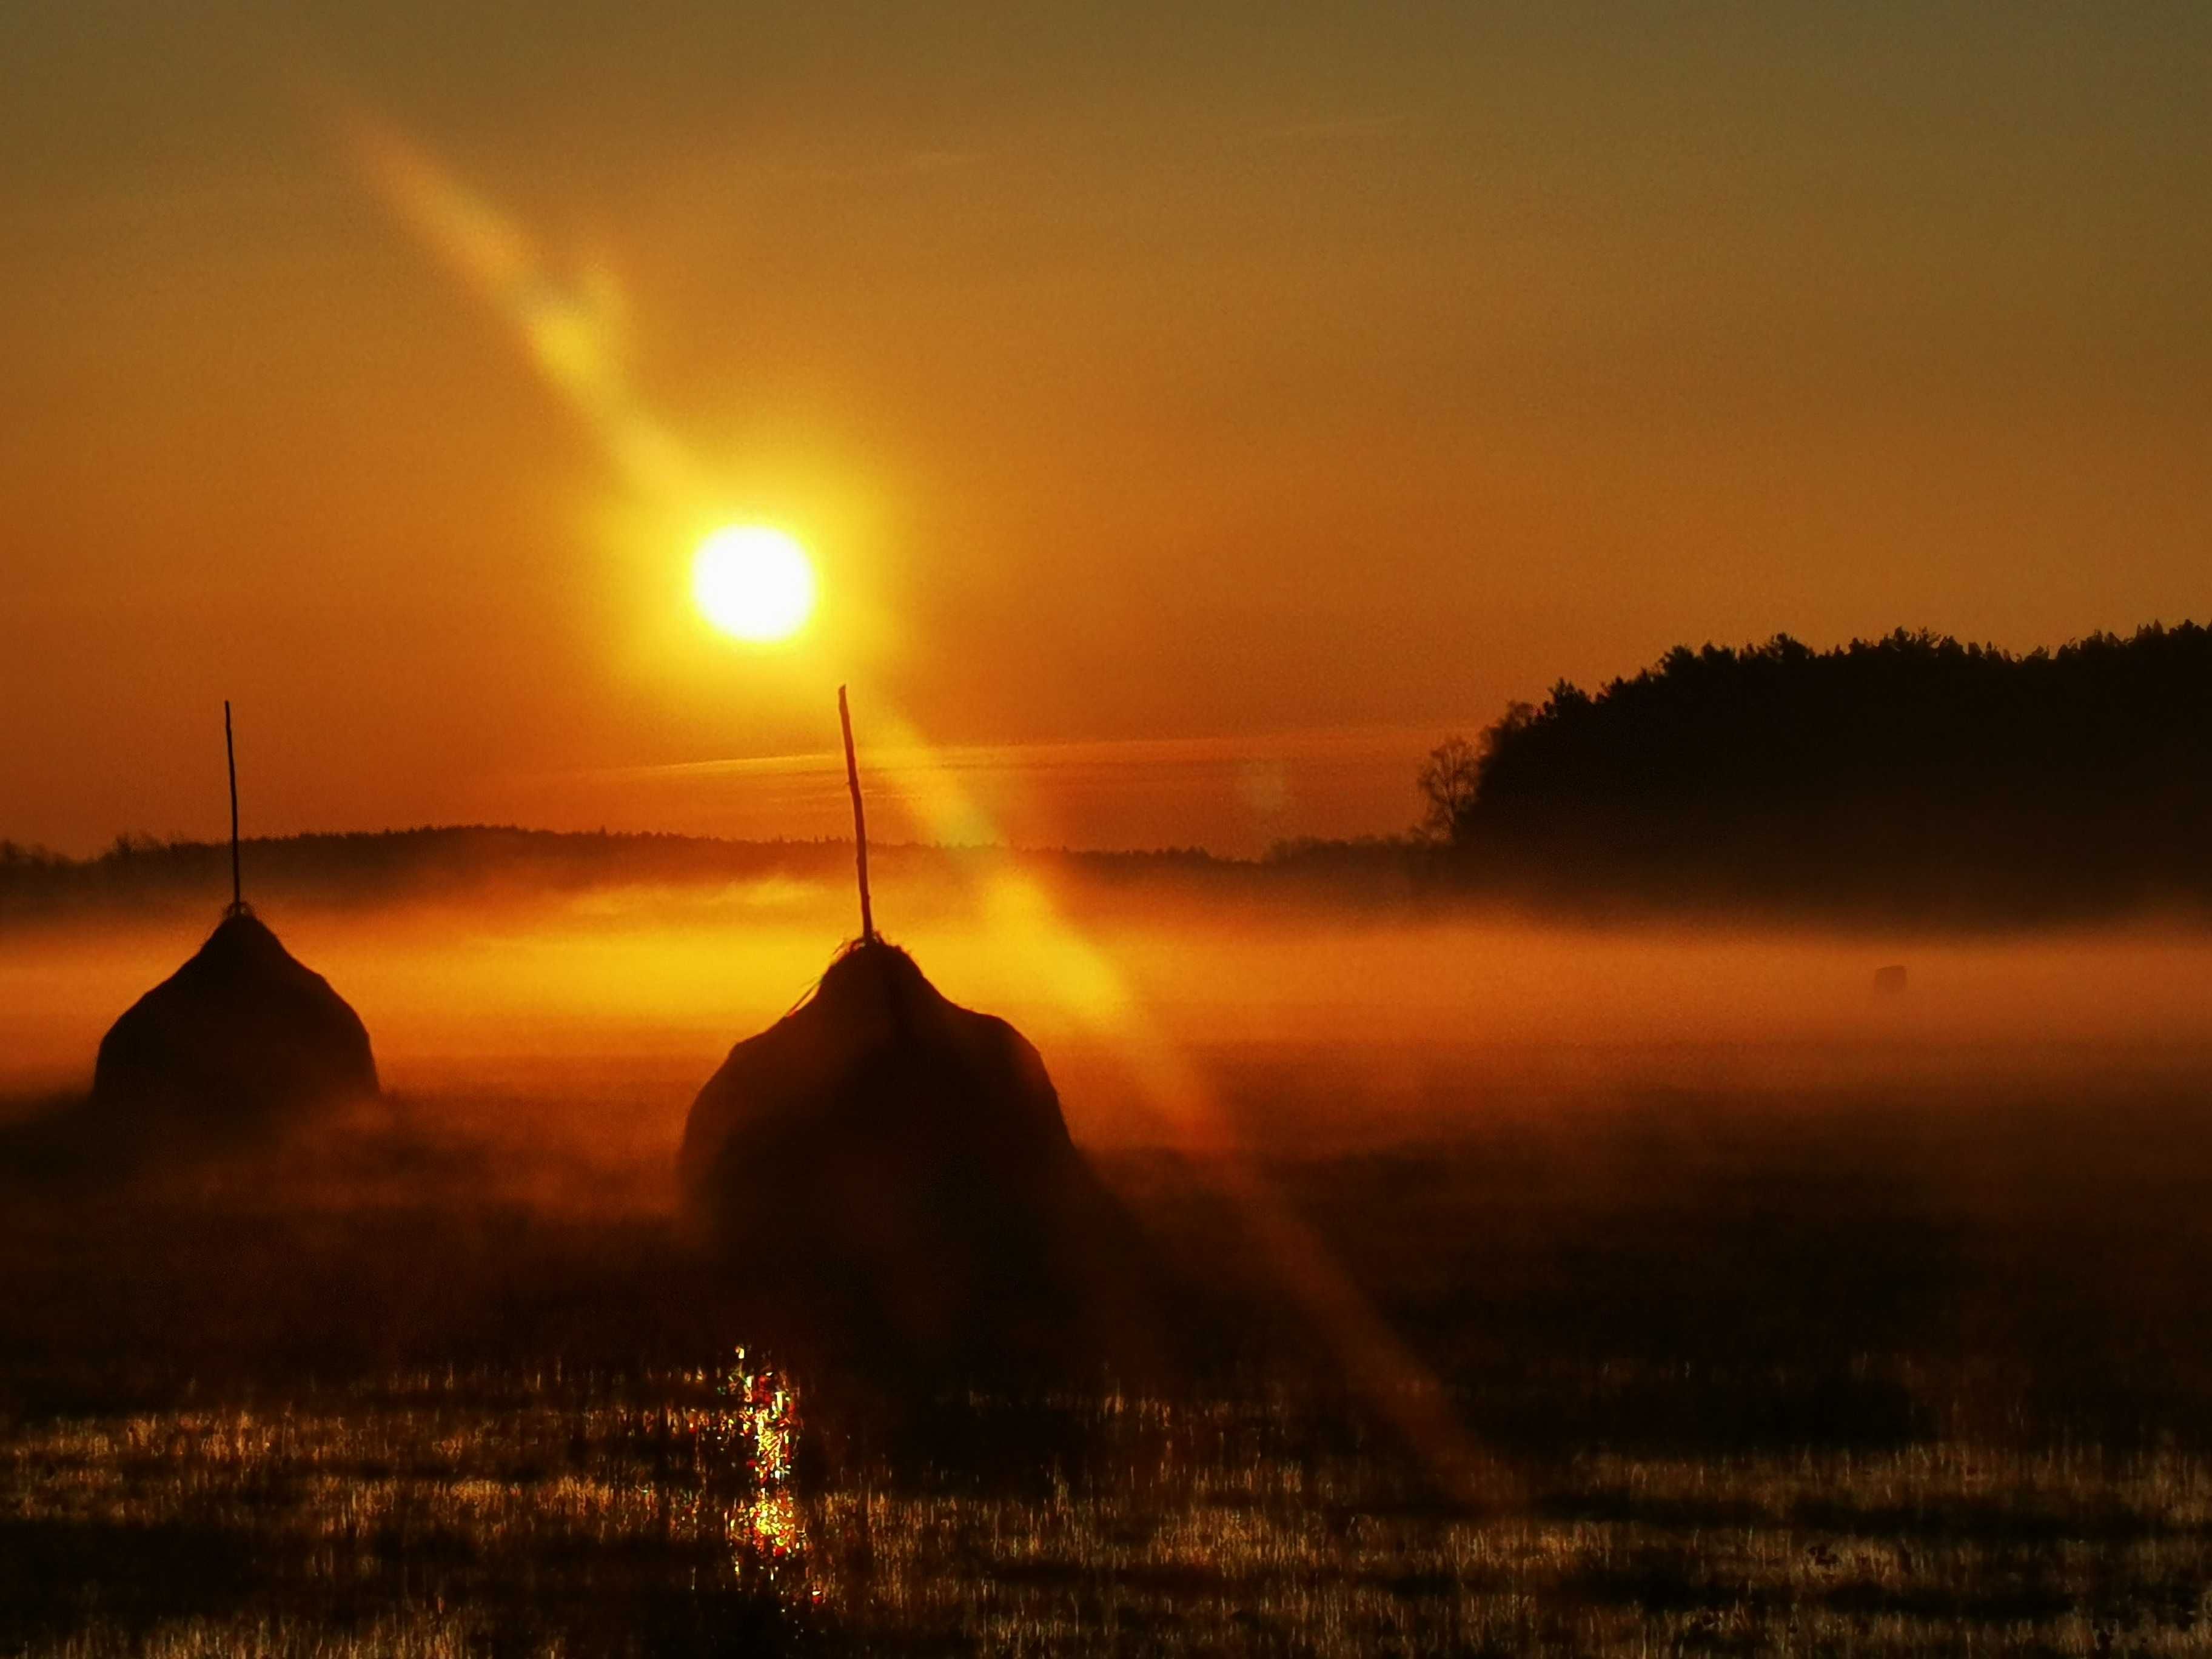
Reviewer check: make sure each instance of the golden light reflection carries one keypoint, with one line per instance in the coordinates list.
(766, 1527)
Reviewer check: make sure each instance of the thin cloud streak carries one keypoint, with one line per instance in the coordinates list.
(1349, 745)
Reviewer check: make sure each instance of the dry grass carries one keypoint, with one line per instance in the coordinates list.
(1842, 1381)
(549, 1517)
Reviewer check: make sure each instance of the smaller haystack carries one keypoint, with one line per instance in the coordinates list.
(887, 1167)
(240, 1038)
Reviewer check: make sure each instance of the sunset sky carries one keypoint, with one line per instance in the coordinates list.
(1193, 413)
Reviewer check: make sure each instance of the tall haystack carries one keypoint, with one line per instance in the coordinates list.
(882, 1161)
(885, 1170)
(240, 1038)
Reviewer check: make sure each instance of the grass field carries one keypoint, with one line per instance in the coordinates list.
(1893, 1368)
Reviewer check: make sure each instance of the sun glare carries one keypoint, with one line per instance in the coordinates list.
(754, 582)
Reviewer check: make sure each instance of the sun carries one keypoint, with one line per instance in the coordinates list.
(754, 582)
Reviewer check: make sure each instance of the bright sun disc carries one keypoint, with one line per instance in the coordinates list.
(754, 582)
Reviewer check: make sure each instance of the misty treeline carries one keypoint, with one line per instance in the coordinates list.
(1908, 775)
(139, 874)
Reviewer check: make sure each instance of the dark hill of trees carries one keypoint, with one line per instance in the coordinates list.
(1910, 775)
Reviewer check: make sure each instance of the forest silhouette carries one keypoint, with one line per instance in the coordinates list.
(1908, 775)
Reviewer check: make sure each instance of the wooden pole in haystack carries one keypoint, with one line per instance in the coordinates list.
(859, 818)
(230, 755)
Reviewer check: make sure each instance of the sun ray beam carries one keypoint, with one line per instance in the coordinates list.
(568, 326)
(570, 336)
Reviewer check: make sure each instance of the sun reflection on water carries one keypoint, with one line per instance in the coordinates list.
(758, 1422)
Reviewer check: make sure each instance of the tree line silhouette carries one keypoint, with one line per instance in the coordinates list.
(1910, 773)
(139, 874)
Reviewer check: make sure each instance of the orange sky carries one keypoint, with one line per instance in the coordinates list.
(1194, 412)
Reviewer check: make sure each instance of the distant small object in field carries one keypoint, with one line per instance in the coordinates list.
(240, 1037)
(1890, 981)
(891, 1174)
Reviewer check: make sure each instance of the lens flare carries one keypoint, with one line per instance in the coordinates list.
(754, 582)
(757, 584)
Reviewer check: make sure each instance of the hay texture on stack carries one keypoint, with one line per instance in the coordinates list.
(883, 1169)
(236, 1042)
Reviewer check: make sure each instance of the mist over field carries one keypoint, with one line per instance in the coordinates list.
(1325, 1019)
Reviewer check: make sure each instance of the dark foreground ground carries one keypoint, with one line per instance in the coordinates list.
(1902, 1371)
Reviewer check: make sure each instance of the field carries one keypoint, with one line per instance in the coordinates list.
(1471, 1340)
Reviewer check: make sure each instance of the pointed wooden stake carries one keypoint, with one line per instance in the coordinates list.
(859, 818)
(230, 755)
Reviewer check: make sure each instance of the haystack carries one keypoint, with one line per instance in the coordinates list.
(889, 1175)
(240, 1038)
(885, 1167)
